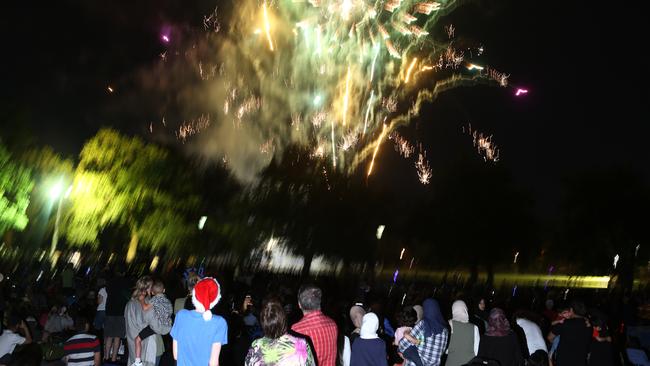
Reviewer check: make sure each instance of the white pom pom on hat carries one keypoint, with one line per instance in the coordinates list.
(205, 295)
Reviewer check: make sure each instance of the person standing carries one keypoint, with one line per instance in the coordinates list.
(356, 317)
(314, 324)
(117, 295)
(198, 335)
(534, 339)
(368, 349)
(136, 321)
(575, 332)
(464, 338)
(277, 347)
(100, 315)
(499, 343)
(430, 335)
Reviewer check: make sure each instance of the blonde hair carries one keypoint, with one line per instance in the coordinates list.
(142, 286)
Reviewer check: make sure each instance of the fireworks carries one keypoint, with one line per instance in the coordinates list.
(110, 89)
(521, 92)
(190, 128)
(410, 69)
(389, 104)
(423, 169)
(267, 147)
(451, 31)
(267, 27)
(349, 140)
(374, 154)
(402, 146)
(165, 38)
(211, 22)
(336, 69)
(497, 76)
(346, 97)
(484, 145)
(427, 8)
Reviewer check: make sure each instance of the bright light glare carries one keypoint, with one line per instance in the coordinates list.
(380, 231)
(56, 190)
(202, 222)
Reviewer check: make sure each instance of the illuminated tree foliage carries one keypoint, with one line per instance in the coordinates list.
(124, 182)
(15, 187)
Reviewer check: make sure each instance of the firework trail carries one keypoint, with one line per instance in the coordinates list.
(423, 169)
(484, 145)
(402, 146)
(344, 67)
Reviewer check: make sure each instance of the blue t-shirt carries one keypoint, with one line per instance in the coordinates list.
(195, 337)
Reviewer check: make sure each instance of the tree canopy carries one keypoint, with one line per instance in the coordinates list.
(125, 182)
(15, 187)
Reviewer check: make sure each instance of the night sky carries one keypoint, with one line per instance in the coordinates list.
(582, 62)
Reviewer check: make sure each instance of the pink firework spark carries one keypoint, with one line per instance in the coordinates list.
(521, 92)
(165, 38)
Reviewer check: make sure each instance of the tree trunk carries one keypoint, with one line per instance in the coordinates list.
(309, 256)
(133, 247)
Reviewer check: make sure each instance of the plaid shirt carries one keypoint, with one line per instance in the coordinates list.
(322, 331)
(430, 348)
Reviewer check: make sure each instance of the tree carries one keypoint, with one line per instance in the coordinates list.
(122, 181)
(48, 169)
(15, 187)
(317, 210)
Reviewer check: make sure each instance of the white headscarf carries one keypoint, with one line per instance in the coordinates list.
(369, 326)
(459, 311)
(419, 310)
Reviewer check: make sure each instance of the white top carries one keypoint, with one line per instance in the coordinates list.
(8, 342)
(477, 337)
(347, 351)
(102, 305)
(534, 337)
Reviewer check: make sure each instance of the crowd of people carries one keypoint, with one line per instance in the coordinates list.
(122, 321)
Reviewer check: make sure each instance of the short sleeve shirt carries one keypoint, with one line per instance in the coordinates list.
(8, 342)
(195, 336)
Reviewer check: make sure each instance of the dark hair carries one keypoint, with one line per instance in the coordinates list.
(407, 317)
(273, 319)
(309, 297)
(578, 307)
(81, 323)
(13, 320)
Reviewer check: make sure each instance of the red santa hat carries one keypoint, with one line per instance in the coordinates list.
(205, 295)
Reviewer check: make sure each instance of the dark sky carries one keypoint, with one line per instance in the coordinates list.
(582, 61)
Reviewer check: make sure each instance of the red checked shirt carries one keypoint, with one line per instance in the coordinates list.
(322, 331)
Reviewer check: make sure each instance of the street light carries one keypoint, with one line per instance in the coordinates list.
(56, 193)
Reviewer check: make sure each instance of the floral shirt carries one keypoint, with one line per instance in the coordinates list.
(284, 351)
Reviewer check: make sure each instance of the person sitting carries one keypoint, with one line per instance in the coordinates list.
(277, 347)
(12, 337)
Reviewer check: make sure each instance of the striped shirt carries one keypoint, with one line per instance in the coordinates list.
(80, 349)
(322, 331)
